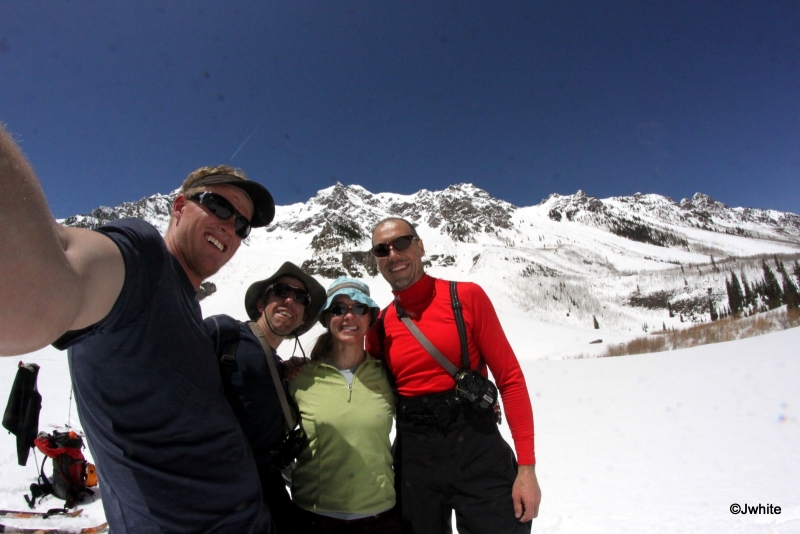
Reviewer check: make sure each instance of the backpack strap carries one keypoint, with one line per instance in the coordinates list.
(227, 332)
(462, 329)
(224, 331)
(40, 488)
(288, 416)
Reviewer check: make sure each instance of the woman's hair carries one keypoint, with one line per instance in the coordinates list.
(323, 347)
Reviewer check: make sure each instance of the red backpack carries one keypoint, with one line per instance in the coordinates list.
(72, 474)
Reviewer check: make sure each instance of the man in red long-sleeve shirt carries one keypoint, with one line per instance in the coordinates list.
(450, 453)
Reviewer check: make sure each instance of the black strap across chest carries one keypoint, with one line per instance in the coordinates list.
(455, 303)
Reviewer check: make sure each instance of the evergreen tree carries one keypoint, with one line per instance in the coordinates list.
(771, 289)
(735, 296)
(711, 309)
(796, 272)
(731, 298)
(596, 324)
(790, 296)
(748, 293)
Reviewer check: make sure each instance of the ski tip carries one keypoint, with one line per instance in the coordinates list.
(9, 529)
(27, 514)
(95, 530)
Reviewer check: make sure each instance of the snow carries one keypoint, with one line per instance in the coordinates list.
(657, 443)
(668, 442)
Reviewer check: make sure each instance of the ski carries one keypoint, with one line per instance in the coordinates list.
(19, 514)
(7, 529)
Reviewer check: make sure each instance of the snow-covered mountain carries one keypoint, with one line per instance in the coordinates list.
(634, 263)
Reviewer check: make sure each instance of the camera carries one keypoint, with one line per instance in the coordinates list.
(475, 389)
(294, 442)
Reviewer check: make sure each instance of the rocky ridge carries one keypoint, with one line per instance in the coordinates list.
(659, 220)
(341, 219)
(545, 257)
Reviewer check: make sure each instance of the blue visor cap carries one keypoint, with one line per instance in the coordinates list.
(349, 287)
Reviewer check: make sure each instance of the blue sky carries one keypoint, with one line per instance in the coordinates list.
(114, 101)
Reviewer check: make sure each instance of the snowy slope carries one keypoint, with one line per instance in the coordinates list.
(658, 443)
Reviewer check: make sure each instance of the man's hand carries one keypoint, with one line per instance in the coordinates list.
(526, 494)
(293, 367)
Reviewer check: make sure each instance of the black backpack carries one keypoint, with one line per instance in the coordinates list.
(226, 342)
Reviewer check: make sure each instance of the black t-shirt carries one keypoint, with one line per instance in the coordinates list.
(256, 401)
(170, 454)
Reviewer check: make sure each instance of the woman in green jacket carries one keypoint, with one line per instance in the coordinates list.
(344, 480)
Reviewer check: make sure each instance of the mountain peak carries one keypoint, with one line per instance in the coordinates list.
(701, 201)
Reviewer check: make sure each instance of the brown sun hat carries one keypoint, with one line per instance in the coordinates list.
(315, 290)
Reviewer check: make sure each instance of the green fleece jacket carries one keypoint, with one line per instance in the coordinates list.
(347, 466)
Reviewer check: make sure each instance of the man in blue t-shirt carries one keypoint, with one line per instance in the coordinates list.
(169, 452)
(282, 306)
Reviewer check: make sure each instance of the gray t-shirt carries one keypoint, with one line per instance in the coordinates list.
(169, 452)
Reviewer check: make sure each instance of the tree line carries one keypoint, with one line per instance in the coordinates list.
(765, 294)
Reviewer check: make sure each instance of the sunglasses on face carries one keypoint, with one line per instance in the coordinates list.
(219, 206)
(282, 291)
(342, 309)
(381, 250)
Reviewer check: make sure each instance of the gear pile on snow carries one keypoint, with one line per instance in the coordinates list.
(72, 474)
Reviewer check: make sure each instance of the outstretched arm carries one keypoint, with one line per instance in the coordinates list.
(52, 278)
(526, 494)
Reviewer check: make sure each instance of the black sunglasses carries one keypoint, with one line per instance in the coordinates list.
(381, 250)
(219, 206)
(282, 291)
(341, 309)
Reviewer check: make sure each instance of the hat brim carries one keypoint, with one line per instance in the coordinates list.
(263, 204)
(314, 288)
(352, 294)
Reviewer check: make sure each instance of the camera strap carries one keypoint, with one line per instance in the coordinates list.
(276, 380)
(430, 347)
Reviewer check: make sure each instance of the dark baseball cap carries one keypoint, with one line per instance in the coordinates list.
(263, 205)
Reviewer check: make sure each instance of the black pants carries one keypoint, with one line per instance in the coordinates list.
(291, 519)
(387, 522)
(285, 512)
(467, 467)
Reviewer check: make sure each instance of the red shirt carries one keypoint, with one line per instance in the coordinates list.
(427, 303)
